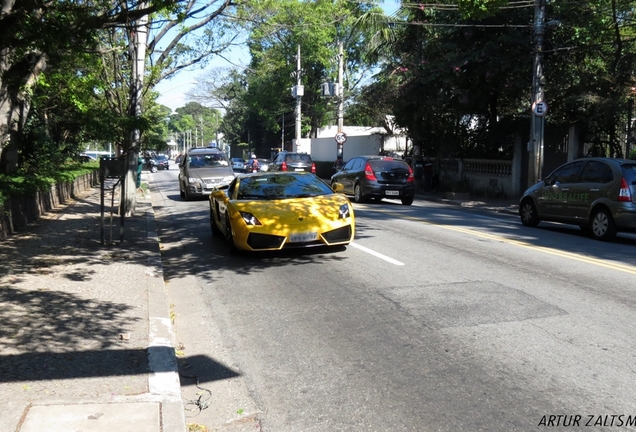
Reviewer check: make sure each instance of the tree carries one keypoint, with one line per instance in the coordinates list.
(277, 28)
(39, 36)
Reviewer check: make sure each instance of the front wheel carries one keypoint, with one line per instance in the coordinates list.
(528, 213)
(603, 227)
(216, 232)
(153, 169)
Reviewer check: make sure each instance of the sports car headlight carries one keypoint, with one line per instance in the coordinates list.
(344, 212)
(250, 219)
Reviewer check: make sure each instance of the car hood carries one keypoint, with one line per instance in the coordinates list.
(295, 210)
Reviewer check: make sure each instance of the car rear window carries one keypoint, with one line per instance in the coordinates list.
(629, 172)
(280, 186)
(298, 158)
(388, 165)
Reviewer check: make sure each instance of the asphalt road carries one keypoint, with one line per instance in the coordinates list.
(434, 319)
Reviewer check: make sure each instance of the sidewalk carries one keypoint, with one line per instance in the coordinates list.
(510, 206)
(86, 341)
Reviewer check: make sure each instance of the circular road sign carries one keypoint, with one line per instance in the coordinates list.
(540, 108)
(341, 137)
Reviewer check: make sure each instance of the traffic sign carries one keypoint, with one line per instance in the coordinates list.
(540, 108)
(341, 137)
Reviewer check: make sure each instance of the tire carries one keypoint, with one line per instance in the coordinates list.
(528, 213)
(153, 169)
(216, 232)
(229, 237)
(181, 191)
(357, 194)
(603, 227)
(407, 201)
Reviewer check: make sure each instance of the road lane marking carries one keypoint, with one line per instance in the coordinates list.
(563, 254)
(376, 254)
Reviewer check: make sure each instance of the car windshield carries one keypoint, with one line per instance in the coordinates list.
(208, 161)
(162, 158)
(282, 186)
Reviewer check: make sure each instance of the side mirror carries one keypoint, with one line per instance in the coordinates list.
(219, 195)
(337, 187)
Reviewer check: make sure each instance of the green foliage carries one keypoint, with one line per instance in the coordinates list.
(27, 185)
(260, 100)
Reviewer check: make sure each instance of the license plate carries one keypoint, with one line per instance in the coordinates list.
(302, 237)
(392, 192)
(299, 169)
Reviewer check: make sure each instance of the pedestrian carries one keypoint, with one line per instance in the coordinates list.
(338, 164)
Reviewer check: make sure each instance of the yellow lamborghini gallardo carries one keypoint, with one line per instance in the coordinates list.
(279, 210)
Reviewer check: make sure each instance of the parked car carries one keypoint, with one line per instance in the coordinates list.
(201, 170)
(377, 177)
(159, 162)
(238, 164)
(84, 158)
(597, 194)
(279, 210)
(292, 161)
(263, 164)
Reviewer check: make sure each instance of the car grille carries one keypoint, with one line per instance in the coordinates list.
(211, 181)
(264, 241)
(338, 235)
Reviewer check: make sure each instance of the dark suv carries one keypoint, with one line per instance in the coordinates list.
(292, 161)
(598, 194)
(377, 177)
(201, 170)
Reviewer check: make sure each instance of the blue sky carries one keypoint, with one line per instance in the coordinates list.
(173, 91)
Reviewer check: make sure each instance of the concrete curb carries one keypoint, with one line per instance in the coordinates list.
(162, 361)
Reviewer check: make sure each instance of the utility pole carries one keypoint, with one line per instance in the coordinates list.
(298, 91)
(340, 92)
(539, 106)
(340, 95)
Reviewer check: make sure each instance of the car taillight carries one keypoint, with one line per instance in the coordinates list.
(411, 177)
(283, 166)
(625, 194)
(368, 173)
(313, 168)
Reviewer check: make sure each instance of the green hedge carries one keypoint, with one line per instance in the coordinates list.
(14, 186)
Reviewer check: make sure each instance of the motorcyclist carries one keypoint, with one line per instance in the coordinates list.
(252, 164)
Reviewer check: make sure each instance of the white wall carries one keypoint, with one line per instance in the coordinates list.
(324, 149)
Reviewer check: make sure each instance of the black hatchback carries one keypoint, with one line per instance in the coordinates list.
(377, 177)
(292, 161)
